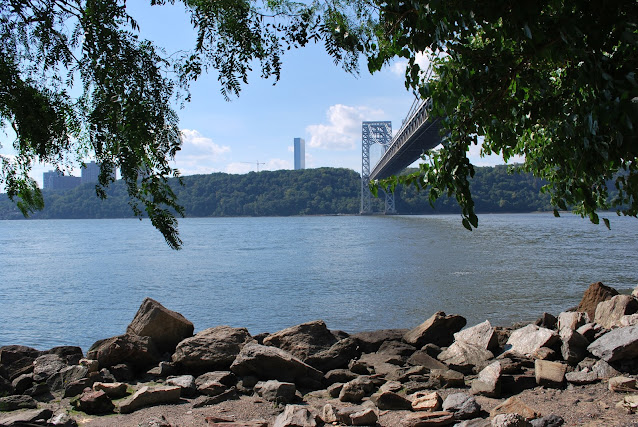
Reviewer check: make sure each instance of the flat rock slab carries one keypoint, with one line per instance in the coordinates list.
(529, 339)
(618, 344)
(26, 417)
(482, 335)
(147, 396)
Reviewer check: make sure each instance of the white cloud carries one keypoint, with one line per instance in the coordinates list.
(343, 130)
(199, 153)
(398, 67)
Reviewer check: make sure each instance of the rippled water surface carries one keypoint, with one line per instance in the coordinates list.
(72, 282)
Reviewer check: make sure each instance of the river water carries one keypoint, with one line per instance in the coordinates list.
(72, 282)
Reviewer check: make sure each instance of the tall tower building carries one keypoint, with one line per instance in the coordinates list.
(90, 172)
(300, 153)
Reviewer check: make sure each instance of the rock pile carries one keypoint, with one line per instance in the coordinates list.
(361, 378)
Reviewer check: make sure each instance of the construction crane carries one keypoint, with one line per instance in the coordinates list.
(255, 163)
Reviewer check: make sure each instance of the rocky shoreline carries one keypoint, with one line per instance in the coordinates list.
(159, 374)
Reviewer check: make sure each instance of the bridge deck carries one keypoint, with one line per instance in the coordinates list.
(420, 133)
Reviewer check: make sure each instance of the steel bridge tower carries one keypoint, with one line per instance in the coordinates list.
(374, 133)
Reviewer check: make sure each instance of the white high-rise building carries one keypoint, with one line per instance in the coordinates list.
(300, 153)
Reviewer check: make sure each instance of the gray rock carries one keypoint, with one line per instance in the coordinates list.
(356, 390)
(138, 351)
(446, 378)
(296, 416)
(390, 400)
(165, 327)
(25, 417)
(276, 391)
(482, 335)
(616, 345)
(22, 383)
(510, 420)
(462, 405)
(529, 339)
(303, 340)
(439, 329)
(422, 419)
(572, 320)
(17, 401)
(211, 349)
(463, 356)
(272, 363)
(47, 365)
(230, 394)
(476, 422)
(422, 358)
(329, 414)
(604, 370)
(335, 389)
(76, 387)
(358, 415)
(609, 313)
(69, 374)
(339, 376)
(147, 396)
(70, 354)
(224, 377)
(112, 390)
(488, 382)
(337, 356)
(589, 331)
(185, 382)
(546, 320)
(548, 421)
(573, 345)
(370, 341)
(94, 403)
(63, 420)
(581, 377)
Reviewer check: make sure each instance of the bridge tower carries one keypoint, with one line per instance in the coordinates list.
(373, 133)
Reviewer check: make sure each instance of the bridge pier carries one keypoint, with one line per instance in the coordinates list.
(379, 132)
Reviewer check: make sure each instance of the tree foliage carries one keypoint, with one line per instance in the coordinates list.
(552, 81)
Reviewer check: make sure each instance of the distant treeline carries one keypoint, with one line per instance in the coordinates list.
(323, 191)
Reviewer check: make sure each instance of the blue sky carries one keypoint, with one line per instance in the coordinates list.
(315, 100)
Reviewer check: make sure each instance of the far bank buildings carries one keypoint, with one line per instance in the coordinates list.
(54, 181)
(300, 153)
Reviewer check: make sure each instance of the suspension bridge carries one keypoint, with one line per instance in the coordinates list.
(419, 133)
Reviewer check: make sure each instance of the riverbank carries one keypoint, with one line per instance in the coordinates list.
(579, 367)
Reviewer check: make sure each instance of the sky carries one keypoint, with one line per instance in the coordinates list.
(315, 100)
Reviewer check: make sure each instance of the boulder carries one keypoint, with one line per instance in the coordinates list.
(596, 293)
(463, 357)
(529, 339)
(94, 403)
(185, 382)
(271, 363)
(482, 335)
(358, 415)
(329, 414)
(423, 419)
(66, 376)
(165, 327)
(16, 360)
(296, 416)
(548, 421)
(17, 401)
(370, 341)
(616, 345)
(622, 384)
(356, 390)
(426, 401)
(546, 320)
(422, 358)
(488, 382)
(22, 383)
(389, 400)
(573, 347)
(581, 377)
(337, 356)
(446, 378)
(510, 420)
(549, 374)
(147, 396)
(514, 405)
(572, 320)
(439, 329)
(400, 350)
(462, 405)
(70, 354)
(224, 377)
(628, 320)
(338, 376)
(211, 349)
(112, 390)
(46, 365)
(609, 313)
(276, 391)
(303, 340)
(604, 370)
(27, 418)
(138, 351)
(589, 331)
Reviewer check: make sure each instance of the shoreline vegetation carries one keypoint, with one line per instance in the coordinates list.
(577, 368)
(322, 191)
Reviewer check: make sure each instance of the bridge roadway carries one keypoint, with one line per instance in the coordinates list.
(419, 133)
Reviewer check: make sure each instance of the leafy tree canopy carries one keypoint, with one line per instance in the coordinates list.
(553, 81)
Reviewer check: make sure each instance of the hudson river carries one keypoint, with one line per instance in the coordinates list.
(72, 282)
